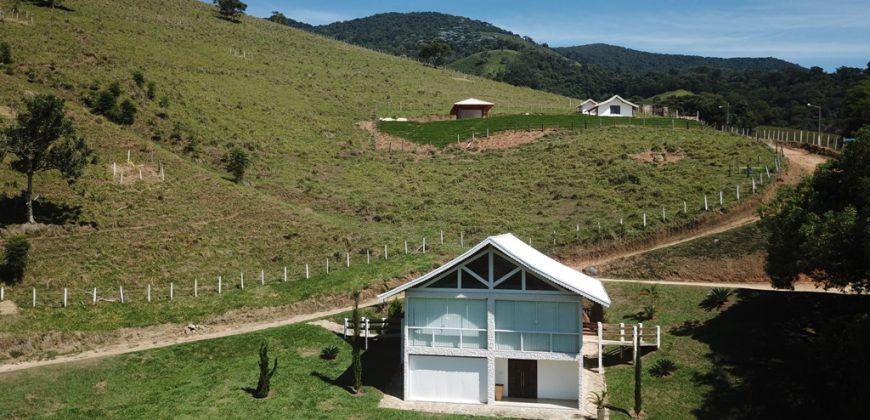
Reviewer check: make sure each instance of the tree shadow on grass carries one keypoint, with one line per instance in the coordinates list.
(380, 366)
(13, 211)
(787, 355)
(47, 4)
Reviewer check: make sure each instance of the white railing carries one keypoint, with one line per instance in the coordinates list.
(574, 346)
(438, 332)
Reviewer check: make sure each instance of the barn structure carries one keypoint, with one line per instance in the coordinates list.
(471, 108)
(501, 321)
(587, 107)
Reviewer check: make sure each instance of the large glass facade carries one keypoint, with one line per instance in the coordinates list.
(456, 323)
(537, 326)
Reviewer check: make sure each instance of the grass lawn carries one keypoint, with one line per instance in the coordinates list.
(442, 133)
(766, 355)
(204, 379)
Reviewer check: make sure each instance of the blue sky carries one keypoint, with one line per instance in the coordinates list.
(828, 34)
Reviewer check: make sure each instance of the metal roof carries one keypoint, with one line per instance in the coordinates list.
(528, 257)
(473, 101)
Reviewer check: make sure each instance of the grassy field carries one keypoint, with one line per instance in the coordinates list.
(205, 379)
(670, 94)
(442, 133)
(718, 375)
(735, 255)
(316, 188)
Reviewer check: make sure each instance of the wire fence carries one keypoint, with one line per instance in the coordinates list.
(632, 223)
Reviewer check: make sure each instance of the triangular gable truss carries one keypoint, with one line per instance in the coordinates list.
(468, 275)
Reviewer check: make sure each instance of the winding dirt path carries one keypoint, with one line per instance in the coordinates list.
(802, 163)
(159, 336)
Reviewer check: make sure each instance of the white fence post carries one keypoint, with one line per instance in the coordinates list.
(95, 295)
(34, 297)
(327, 266)
(406, 247)
(195, 287)
(368, 257)
(706, 207)
(307, 272)
(262, 277)
(738, 192)
(220, 284)
(644, 220)
(658, 336)
(385, 251)
(461, 239)
(600, 350)
(285, 273)
(121, 293)
(2, 293)
(242, 279)
(347, 259)
(424, 245)
(721, 198)
(442, 231)
(65, 294)
(149, 293)
(171, 291)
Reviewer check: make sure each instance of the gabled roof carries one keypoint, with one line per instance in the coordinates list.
(614, 97)
(587, 101)
(528, 257)
(473, 101)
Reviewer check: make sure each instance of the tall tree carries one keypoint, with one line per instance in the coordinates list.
(43, 139)
(821, 227)
(434, 52)
(230, 9)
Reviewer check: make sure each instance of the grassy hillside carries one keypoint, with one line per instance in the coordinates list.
(670, 94)
(637, 62)
(316, 188)
(487, 64)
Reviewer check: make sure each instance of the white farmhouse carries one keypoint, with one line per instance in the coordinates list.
(502, 315)
(614, 107)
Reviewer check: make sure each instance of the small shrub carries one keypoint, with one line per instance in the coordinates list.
(599, 400)
(115, 89)
(125, 113)
(717, 298)
(15, 258)
(329, 352)
(151, 90)
(138, 78)
(652, 291)
(102, 102)
(396, 309)
(262, 390)
(5, 53)
(662, 368)
(648, 312)
(236, 163)
(164, 102)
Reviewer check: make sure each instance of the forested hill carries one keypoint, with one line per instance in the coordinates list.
(636, 62)
(404, 33)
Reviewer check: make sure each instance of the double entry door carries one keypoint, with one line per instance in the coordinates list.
(522, 378)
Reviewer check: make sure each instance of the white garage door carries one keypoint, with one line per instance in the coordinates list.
(470, 113)
(447, 379)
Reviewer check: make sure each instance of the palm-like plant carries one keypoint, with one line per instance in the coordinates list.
(662, 368)
(717, 298)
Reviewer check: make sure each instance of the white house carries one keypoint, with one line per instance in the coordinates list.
(501, 314)
(614, 107)
(587, 107)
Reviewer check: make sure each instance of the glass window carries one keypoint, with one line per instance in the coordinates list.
(450, 281)
(507, 341)
(615, 109)
(504, 315)
(500, 267)
(535, 283)
(480, 266)
(565, 343)
(514, 282)
(471, 282)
